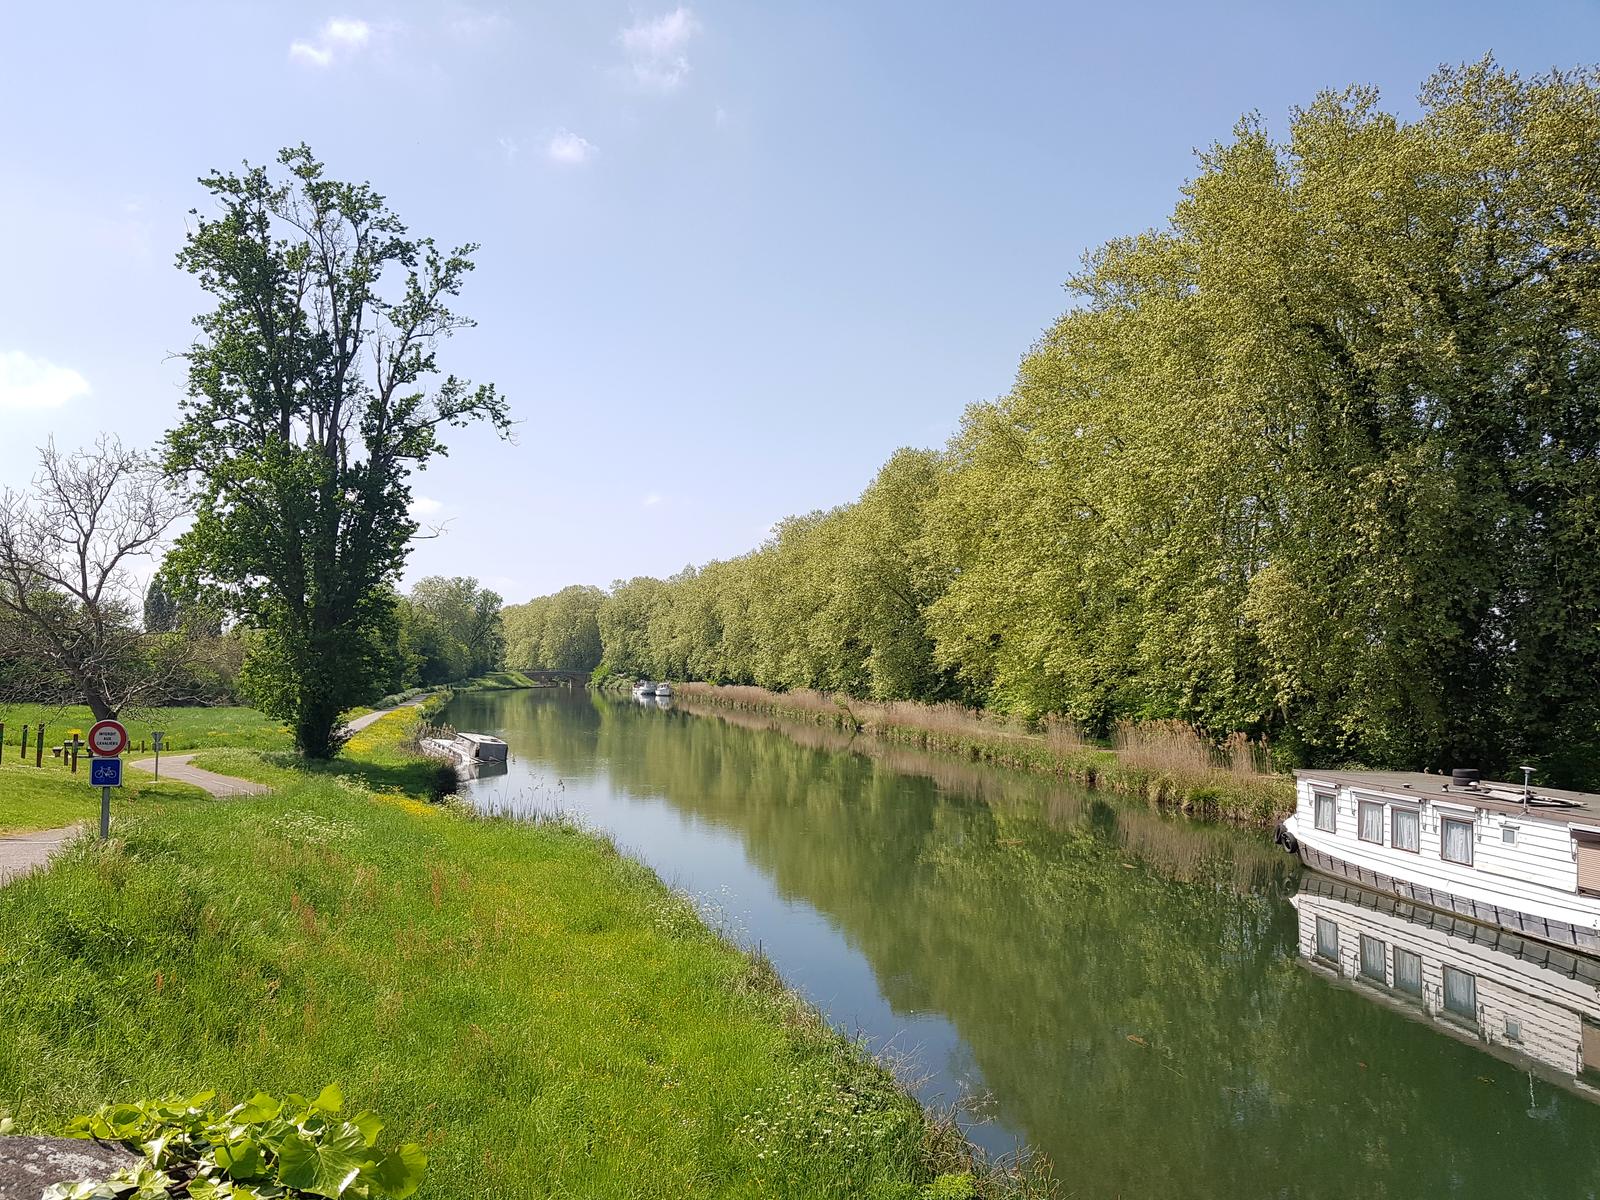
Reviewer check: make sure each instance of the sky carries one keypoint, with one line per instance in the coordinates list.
(732, 255)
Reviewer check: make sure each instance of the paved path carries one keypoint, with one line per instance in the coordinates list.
(176, 767)
(22, 852)
(359, 723)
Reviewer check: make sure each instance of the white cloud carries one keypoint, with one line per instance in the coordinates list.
(27, 382)
(653, 499)
(425, 506)
(339, 37)
(655, 48)
(510, 147)
(569, 149)
(475, 25)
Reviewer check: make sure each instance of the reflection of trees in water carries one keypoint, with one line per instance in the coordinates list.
(1146, 1027)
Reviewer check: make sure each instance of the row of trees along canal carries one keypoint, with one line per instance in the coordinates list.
(314, 391)
(1318, 460)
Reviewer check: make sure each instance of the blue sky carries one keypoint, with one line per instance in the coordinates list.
(733, 254)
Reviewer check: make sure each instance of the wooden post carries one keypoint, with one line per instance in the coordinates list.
(76, 742)
(25, 728)
(38, 747)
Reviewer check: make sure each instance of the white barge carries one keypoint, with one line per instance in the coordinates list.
(1521, 858)
(1520, 1000)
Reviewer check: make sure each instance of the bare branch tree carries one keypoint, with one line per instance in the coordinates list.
(69, 597)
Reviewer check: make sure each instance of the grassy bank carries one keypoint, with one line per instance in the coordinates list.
(50, 797)
(1162, 764)
(185, 728)
(540, 1012)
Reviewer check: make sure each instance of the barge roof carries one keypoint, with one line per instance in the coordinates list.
(1554, 804)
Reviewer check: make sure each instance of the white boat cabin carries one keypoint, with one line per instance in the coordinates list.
(1523, 858)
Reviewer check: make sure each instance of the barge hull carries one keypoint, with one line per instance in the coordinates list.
(1555, 933)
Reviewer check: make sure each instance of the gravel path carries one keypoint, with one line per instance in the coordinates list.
(22, 852)
(176, 767)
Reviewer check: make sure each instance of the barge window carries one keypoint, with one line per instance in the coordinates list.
(1404, 833)
(1327, 939)
(1326, 820)
(1461, 993)
(1508, 835)
(1374, 958)
(1456, 845)
(1588, 855)
(1371, 826)
(1407, 971)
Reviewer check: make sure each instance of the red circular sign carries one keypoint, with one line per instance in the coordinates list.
(107, 739)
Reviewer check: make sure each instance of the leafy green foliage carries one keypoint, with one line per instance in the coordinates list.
(312, 397)
(555, 633)
(1317, 460)
(261, 1149)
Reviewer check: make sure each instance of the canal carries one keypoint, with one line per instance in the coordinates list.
(1138, 997)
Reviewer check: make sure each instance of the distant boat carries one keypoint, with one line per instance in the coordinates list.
(663, 689)
(644, 688)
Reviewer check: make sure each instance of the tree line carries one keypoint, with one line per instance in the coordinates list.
(1318, 460)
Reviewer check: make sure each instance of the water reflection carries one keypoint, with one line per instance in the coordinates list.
(1537, 1006)
(1126, 991)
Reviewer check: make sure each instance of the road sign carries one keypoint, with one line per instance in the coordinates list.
(107, 739)
(155, 738)
(105, 772)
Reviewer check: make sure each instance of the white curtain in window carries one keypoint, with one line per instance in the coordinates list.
(1461, 993)
(1371, 821)
(1327, 939)
(1408, 971)
(1458, 841)
(1405, 830)
(1325, 814)
(1374, 958)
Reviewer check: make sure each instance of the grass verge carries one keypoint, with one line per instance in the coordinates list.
(185, 728)
(49, 797)
(536, 1009)
(1199, 790)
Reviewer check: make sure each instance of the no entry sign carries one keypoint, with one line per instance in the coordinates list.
(107, 739)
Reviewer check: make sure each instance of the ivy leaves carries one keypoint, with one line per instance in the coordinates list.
(262, 1149)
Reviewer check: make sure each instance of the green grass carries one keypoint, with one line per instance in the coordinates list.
(497, 681)
(536, 1009)
(185, 728)
(50, 796)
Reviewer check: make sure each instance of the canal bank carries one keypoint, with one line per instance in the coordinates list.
(534, 1008)
(1122, 990)
(1172, 770)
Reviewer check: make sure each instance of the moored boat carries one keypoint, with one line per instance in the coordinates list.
(663, 689)
(470, 751)
(644, 688)
(1510, 855)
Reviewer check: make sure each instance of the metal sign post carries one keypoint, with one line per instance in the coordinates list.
(155, 740)
(107, 740)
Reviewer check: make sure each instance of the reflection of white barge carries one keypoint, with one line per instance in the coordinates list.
(1535, 1005)
(476, 753)
(1521, 858)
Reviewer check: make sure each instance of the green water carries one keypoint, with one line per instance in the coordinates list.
(1121, 991)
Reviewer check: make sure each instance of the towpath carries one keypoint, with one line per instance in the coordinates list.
(22, 852)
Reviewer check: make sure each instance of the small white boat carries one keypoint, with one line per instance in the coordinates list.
(468, 750)
(663, 690)
(644, 688)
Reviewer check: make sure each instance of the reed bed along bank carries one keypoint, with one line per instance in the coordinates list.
(1166, 763)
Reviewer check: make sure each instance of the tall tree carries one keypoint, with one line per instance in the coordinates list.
(67, 589)
(314, 392)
